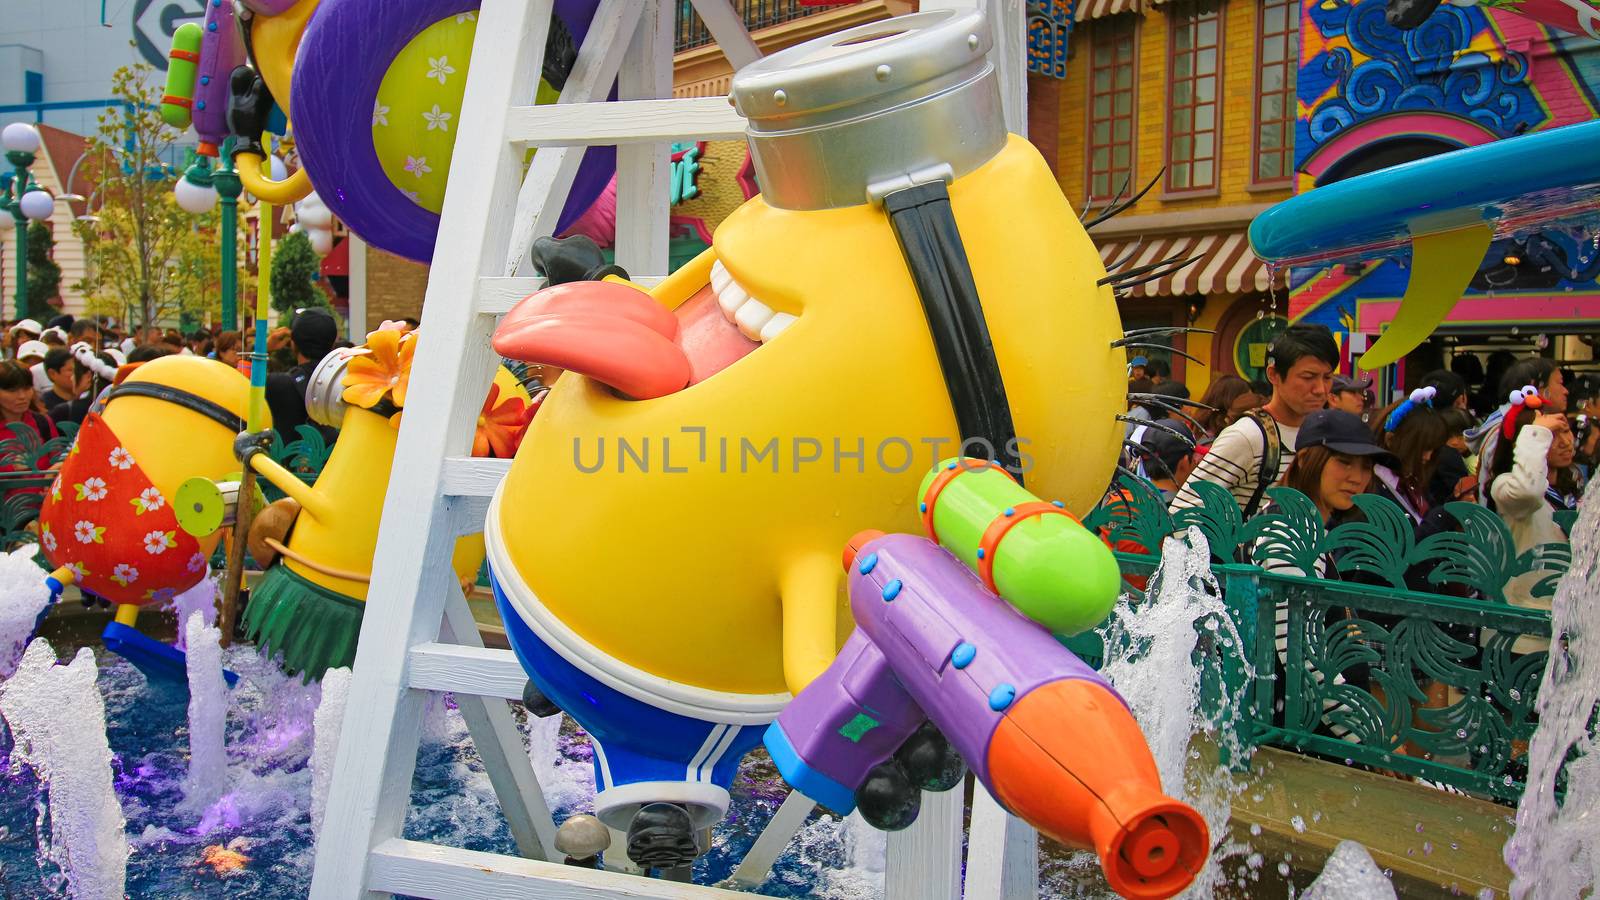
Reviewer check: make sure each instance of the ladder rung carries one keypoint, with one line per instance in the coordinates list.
(476, 671)
(472, 477)
(417, 869)
(496, 296)
(624, 122)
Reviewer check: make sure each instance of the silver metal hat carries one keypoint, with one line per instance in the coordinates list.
(325, 390)
(843, 119)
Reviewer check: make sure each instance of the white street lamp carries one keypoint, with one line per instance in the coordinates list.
(38, 205)
(195, 198)
(20, 137)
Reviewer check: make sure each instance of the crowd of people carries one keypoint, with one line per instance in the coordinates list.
(53, 373)
(1524, 446)
(1527, 457)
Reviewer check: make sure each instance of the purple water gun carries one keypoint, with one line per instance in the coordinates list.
(939, 668)
(221, 51)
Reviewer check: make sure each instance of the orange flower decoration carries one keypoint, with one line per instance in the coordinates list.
(382, 369)
(501, 425)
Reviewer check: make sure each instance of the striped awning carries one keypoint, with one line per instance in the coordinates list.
(1095, 9)
(1226, 265)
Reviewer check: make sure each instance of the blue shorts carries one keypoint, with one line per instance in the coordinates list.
(642, 754)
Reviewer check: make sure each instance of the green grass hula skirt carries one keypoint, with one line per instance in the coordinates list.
(308, 627)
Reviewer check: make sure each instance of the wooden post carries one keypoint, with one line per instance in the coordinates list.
(1002, 853)
(233, 577)
(923, 862)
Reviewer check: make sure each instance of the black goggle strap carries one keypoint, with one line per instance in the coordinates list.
(929, 240)
(213, 411)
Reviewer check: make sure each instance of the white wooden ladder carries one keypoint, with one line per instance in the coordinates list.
(418, 635)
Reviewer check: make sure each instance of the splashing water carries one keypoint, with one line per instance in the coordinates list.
(1555, 850)
(57, 719)
(208, 713)
(567, 782)
(841, 859)
(1151, 649)
(23, 598)
(201, 598)
(327, 725)
(1350, 874)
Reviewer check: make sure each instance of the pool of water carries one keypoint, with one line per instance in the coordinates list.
(256, 841)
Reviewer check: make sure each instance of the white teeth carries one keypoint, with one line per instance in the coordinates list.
(776, 325)
(755, 319)
(720, 279)
(752, 316)
(731, 298)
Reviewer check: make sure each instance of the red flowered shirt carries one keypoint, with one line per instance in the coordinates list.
(105, 521)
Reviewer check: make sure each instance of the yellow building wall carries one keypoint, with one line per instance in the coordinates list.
(1237, 110)
(1236, 149)
(1198, 378)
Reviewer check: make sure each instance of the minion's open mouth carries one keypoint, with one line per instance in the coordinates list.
(625, 339)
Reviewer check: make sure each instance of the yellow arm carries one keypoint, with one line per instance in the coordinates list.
(311, 502)
(810, 589)
(291, 190)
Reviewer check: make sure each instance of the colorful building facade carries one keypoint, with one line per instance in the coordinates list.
(1198, 97)
(1371, 96)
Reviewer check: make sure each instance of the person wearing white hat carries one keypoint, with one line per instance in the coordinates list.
(31, 354)
(25, 330)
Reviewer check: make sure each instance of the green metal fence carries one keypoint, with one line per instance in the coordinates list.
(1438, 685)
(27, 468)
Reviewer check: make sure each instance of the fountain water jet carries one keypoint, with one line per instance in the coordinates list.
(1151, 645)
(1350, 874)
(325, 726)
(207, 779)
(568, 784)
(58, 722)
(201, 598)
(23, 599)
(1555, 850)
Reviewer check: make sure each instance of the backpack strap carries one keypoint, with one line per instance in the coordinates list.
(1271, 457)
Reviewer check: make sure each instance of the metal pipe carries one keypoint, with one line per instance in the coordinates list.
(19, 186)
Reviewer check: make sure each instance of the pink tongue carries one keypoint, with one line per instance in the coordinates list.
(622, 337)
(711, 342)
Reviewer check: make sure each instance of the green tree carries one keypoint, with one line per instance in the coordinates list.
(147, 261)
(44, 276)
(294, 278)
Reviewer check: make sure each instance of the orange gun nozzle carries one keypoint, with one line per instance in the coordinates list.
(1069, 759)
(856, 542)
(1154, 852)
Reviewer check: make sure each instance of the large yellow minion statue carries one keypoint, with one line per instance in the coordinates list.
(318, 542)
(911, 285)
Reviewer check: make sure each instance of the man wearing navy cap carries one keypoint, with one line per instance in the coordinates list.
(1349, 394)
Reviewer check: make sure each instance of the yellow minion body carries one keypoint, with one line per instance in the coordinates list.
(171, 443)
(725, 576)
